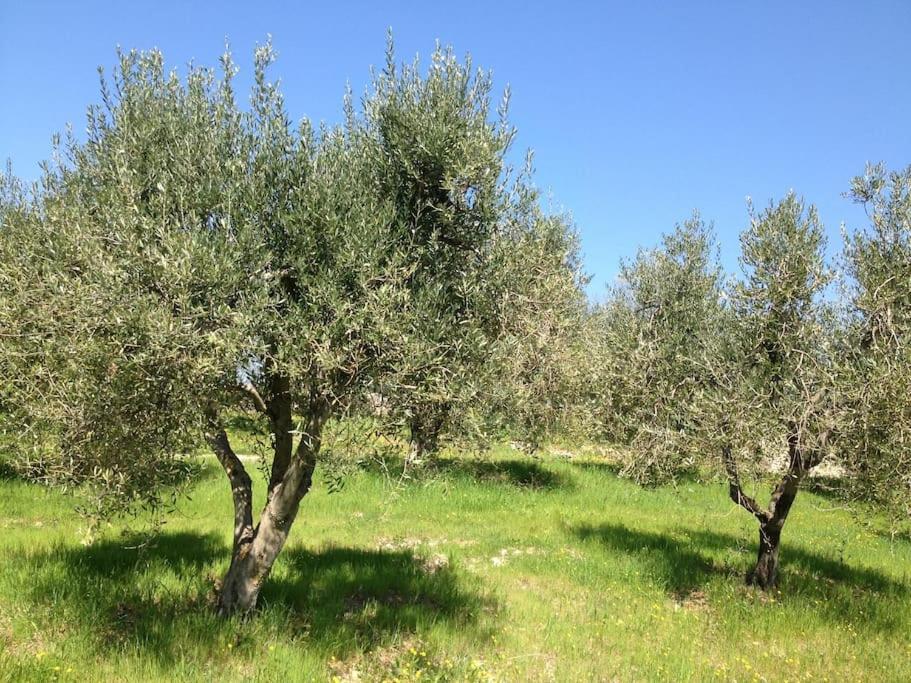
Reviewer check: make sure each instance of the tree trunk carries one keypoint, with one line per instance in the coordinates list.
(281, 422)
(771, 521)
(415, 450)
(765, 574)
(241, 485)
(252, 562)
(425, 428)
(251, 565)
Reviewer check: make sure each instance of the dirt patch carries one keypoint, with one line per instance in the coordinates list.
(692, 601)
(434, 563)
(506, 554)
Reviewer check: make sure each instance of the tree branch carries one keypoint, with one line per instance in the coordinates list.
(736, 490)
(784, 494)
(241, 485)
(248, 388)
(284, 498)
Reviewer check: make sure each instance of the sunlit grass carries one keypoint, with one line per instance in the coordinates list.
(506, 569)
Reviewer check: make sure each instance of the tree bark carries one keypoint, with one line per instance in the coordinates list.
(765, 573)
(241, 485)
(281, 423)
(415, 451)
(252, 563)
(771, 521)
(425, 428)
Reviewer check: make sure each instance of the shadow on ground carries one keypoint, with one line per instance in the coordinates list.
(686, 560)
(158, 599)
(677, 564)
(614, 468)
(521, 473)
(349, 594)
(7, 471)
(610, 467)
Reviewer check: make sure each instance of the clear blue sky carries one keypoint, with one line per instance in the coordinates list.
(638, 112)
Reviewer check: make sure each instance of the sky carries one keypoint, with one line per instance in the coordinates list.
(638, 112)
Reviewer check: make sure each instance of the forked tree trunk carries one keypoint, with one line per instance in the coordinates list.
(771, 521)
(252, 562)
(256, 549)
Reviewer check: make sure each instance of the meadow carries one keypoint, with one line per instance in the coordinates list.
(502, 567)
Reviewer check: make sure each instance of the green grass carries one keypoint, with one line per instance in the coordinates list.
(508, 568)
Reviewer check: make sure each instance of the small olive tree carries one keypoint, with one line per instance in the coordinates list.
(875, 439)
(192, 258)
(660, 330)
(773, 386)
(538, 372)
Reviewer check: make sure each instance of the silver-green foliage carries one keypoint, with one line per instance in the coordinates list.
(775, 407)
(876, 385)
(192, 250)
(539, 369)
(782, 347)
(659, 338)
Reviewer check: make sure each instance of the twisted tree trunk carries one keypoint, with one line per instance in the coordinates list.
(771, 521)
(256, 549)
(765, 573)
(252, 563)
(241, 488)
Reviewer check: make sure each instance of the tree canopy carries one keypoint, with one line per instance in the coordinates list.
(876, 372)
(193, 257)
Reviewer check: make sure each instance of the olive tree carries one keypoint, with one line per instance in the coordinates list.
(192, 258)
(876, 386)
(774, 383)
(529, 382)
(538, 371)
(660, 329)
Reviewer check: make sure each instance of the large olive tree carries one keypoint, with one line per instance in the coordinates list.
(529, 382)
(538, 371)
(193, 257)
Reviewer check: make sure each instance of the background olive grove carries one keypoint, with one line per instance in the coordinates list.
(195, 259)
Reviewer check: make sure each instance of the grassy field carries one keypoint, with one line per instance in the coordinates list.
(507, 568)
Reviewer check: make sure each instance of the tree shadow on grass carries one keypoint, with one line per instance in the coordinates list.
(814, 581)
(611, 467)
(526, 474)
(678, 565)
(157, 600)
(807, 570)
(615, 468)
(519, 473)
(344, 596)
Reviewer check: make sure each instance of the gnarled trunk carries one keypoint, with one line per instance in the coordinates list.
(771, 521)
(256, 549)
(281, 424)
